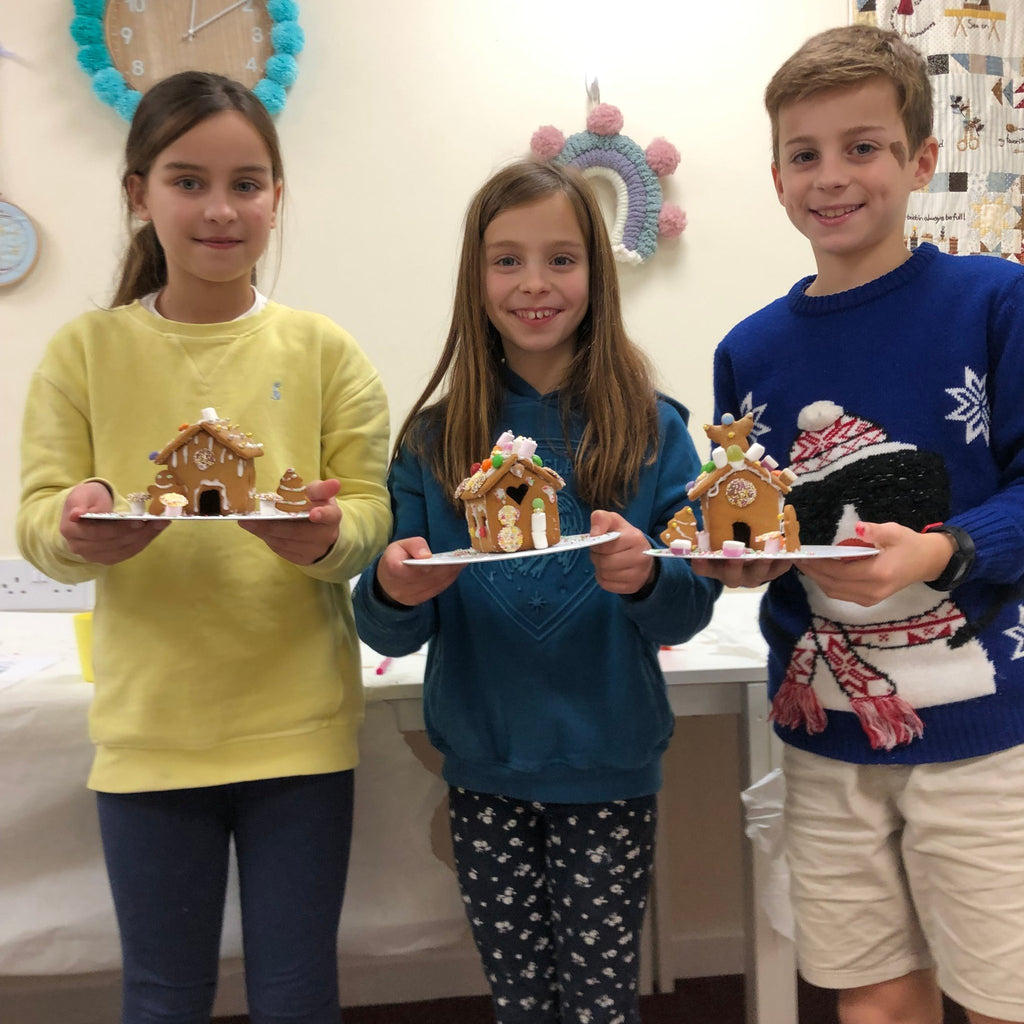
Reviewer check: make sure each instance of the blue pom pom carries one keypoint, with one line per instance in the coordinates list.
(92, 58)
(283, 69)
(288, 37)
(108, 85)
(127, 102)
(90, 8)
(283, 10)
(270, 94)
(85, 31)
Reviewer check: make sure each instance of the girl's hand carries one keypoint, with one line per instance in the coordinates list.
(412, 584)
(904, 557)
(620, 566)
(103, 542)
(740, 572)
(304, 542)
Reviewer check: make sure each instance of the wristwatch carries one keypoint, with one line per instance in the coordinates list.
(960, 561)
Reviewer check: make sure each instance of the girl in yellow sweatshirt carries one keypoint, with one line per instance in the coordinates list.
(228, 687)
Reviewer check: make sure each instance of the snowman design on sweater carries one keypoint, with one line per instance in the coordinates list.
(885, 661)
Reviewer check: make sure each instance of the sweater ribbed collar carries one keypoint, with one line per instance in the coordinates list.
(803, 304)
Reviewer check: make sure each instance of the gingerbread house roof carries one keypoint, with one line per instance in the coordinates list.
(484, 481)
(708, 480)
(220, 430)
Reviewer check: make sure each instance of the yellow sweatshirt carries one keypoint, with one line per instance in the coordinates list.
(216, 660)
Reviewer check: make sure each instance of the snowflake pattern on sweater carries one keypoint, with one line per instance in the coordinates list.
(896, 401)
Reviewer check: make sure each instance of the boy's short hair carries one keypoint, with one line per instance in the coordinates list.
(847, 57)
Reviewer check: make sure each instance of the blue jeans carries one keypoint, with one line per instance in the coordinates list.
(167, 859)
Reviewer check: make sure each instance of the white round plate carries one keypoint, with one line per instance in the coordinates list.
(808, 551)
(464, 556)
(147, 518)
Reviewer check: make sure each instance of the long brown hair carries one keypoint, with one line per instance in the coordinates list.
(167, 111)
(609, 380)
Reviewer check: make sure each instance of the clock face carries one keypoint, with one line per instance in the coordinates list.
(151, 39)
(19, 244)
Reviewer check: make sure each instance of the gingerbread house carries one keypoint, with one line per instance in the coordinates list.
(511, 499)
(742, 494)
(211, 463)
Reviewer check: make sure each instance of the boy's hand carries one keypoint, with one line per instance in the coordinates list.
(303, 542)
(904, 557)
(620, 566)
(412, 584)
(103, 542)
(741, 572)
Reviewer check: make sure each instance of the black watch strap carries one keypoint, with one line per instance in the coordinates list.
(960, 561)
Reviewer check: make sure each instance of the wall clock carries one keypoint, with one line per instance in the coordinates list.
(19, 244)
(128, 45)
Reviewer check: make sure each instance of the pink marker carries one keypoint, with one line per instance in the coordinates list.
(383, 666)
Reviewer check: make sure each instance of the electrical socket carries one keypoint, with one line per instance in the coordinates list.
(23, 588)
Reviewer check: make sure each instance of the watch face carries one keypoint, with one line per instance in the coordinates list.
(151, 39)
(19, 244)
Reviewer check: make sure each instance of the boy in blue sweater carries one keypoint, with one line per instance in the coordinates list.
(891, 384)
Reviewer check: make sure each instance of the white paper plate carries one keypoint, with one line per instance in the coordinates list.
(147, 518)
(465, 556)
(808, 551)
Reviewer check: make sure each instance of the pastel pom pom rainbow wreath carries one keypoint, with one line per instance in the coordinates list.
(110, 86)
(641, 215)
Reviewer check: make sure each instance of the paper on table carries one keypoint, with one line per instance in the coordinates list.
(13, 669)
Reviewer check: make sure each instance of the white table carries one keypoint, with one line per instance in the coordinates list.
(57, 918)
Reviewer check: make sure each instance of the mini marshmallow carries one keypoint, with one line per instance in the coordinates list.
(733, 548)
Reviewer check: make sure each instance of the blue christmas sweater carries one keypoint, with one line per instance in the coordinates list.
(899, 401)
(540, 685)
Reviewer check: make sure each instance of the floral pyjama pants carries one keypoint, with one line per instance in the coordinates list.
(555, 895)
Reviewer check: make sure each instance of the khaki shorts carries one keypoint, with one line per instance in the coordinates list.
(898, 868)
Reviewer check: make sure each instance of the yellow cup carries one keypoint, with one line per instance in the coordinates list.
(83, 637)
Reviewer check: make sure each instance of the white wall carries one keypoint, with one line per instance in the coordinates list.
(401, 109)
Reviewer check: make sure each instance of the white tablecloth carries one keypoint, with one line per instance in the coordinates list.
(57, 916)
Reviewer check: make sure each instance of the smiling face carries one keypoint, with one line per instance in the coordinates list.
(212, 198)
(537, 286)
(844, 176)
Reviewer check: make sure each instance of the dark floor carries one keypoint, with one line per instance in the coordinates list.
(694, 1000)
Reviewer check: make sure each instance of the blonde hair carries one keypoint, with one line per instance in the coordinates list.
(609, 381)
(849, 56)
(167, 111)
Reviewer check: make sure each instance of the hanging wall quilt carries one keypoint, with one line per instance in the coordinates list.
(975, 54)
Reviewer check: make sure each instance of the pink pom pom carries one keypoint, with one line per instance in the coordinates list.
(662, 157)
(547, 142)
(605, 119)
(671, 221)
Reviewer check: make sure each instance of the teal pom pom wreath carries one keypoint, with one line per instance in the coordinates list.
(282, 68)
(86, 31)
(270, 94)
(288, 37)
(126, 103)
(108, 83)
(283, 10)
(90, 8)
(110, 86)
(93, 57)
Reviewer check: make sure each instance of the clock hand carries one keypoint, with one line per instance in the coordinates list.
(220, 14)
(191, 21)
